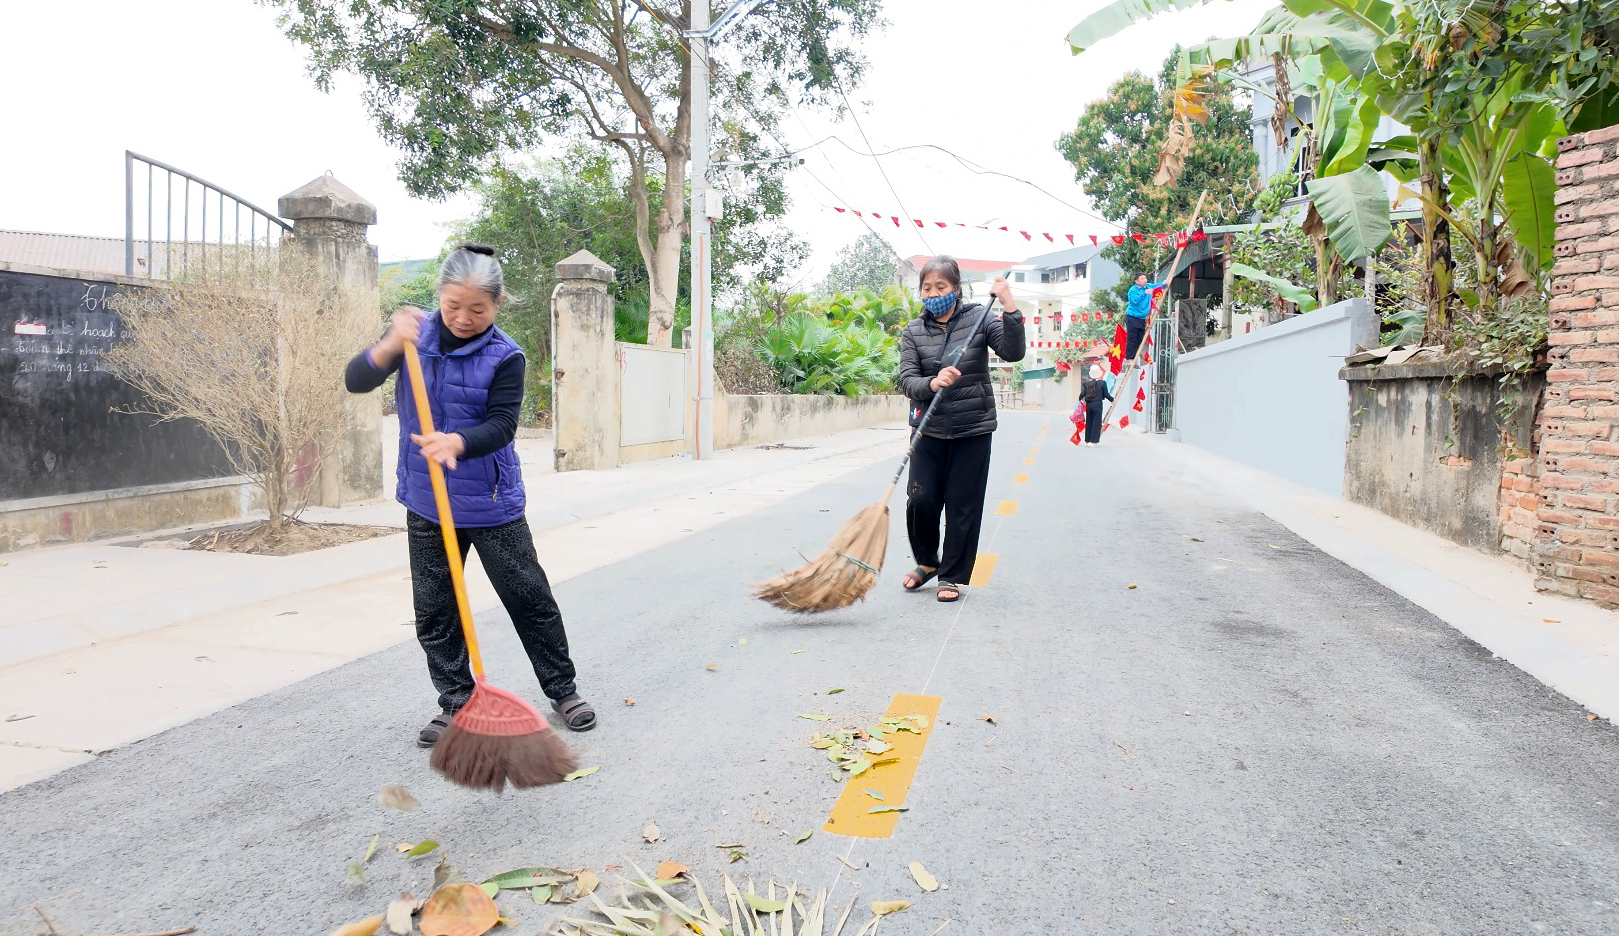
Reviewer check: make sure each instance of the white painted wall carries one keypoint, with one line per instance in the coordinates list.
(652, 390)
(1272, 398)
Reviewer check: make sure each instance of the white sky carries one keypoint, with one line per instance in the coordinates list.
(212, 87)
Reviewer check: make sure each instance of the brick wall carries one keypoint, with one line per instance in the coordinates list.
(1576, 540)
(1520, 505)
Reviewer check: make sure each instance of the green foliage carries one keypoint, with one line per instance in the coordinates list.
(1354, 208)
(1282, 252)
(1513, 340)
(812, 354)
(1114, 149)
(868, 263)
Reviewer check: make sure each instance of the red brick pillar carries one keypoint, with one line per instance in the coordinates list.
(1576, 548)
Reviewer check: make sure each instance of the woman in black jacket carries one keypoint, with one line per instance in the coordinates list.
(950, 468)
(1093, 392)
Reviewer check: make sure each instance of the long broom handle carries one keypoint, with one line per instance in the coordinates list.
(1152, 310)
(446, 523)
(955, 358)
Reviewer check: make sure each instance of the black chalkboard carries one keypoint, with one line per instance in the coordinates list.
(63, 425)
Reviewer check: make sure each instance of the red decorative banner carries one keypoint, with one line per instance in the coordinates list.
(1180, 238)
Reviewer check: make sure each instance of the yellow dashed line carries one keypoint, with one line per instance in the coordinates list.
(1020, 479)
(1028, 461)
(1007, 508)
(851, 814)
(984, 568)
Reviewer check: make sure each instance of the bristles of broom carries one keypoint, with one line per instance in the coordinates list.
(842, 574)
(489, 762)
(498, 738)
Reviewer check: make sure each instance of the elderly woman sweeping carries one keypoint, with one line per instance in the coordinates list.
(950, 469)
(474, 380)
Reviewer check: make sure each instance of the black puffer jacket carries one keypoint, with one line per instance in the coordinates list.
(968, 407)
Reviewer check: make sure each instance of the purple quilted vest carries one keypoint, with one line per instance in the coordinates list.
(486, 491)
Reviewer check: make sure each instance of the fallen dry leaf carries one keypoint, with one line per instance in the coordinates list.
(651, 833)
(399, 914)
(585, 883)
(736, 855)
(459, 910)
(669, 870)
(924, 880)
(802, 837)
(1551, 621)
(629, 701)
(712, 667)
(1130, 586)
(363, 928)
(988, 718)
(1591, 718)
(580, 773)
(885, 907)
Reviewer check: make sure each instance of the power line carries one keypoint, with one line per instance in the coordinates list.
(850, 107)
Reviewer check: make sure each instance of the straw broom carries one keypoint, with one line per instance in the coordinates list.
(847, 569)
(497, 737)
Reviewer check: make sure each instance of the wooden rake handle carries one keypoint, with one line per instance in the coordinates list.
(446, 522)
(955, 359)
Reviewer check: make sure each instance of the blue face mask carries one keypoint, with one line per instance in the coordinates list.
(936, 306)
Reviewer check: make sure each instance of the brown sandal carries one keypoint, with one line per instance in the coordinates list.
(922, 577)
(954, 592)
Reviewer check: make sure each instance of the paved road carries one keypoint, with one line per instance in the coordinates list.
(1256, 739)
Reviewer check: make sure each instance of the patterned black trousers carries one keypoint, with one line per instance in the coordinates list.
(507, 554)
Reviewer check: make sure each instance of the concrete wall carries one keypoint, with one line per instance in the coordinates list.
(77, 518)
(757, 420)
(1426, 448)
(1272, 398)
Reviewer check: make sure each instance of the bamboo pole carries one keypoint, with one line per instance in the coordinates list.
(1152, 310)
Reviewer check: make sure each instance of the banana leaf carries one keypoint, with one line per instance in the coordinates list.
(1355, 208)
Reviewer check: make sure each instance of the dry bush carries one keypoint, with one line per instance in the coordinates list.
(255, 356)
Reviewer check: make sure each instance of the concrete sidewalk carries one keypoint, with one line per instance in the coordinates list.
(102, 645)
(1570, 646)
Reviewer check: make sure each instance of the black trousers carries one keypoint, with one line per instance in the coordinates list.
(1134, 330)
(948, 476)
(1093, 419)
(507, 554)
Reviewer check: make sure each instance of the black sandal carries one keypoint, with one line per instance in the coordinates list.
(576, 713)
(434, 730)
(955, 591)
(922, 578)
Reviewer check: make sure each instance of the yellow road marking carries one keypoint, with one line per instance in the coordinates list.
(851, 814)
(1034, 451)
(1007, 508)
(1028, 461)
(984, 567)
(1020, 479)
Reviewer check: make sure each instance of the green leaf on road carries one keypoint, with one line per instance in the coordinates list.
(529, 877)
(443, 872)
(802, 837)
(874, 794)
(421, 848)
(860, 766)
(833, 691)
(736, 855)
(742, 641)
(542, 894)
(762, 905)
(887, 809)
(815, 717)
(371, 849)
(581, 772)
(490, 889)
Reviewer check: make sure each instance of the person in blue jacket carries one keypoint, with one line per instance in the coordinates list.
(1135, 314)
(474, 375)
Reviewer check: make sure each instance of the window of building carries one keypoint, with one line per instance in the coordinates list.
(1017, 277)
(1079, 271)
(1045, 277)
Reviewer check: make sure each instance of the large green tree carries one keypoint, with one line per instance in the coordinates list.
(458, 85)
(868, 263)
(1115, 146)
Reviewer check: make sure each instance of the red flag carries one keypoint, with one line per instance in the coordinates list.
(1198, 235)
(1181, 239)
(1118, 239)
(1026, 235)
(1048, 237)
(1071, 238)
(1140, 238)
(896, 221)
(1124, 421)
(1037, 320)
(1116, 353)
(944, 224)
(1163, 239)
(1006, 229)
(918, 223)
(856, 213)
(1093, 240)
(840, 210)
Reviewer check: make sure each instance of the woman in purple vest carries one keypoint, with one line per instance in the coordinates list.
(474, 375)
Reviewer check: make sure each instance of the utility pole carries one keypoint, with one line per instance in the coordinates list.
(703, 210)
(702, 312)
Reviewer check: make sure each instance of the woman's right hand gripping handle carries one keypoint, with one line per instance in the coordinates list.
(944, 379)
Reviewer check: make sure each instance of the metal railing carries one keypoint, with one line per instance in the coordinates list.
(264, 229)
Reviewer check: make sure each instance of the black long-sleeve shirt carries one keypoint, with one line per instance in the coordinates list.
(499, 427)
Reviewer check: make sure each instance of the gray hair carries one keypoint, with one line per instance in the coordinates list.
(475, 267)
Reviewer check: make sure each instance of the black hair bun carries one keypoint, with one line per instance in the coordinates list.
(479, 249)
